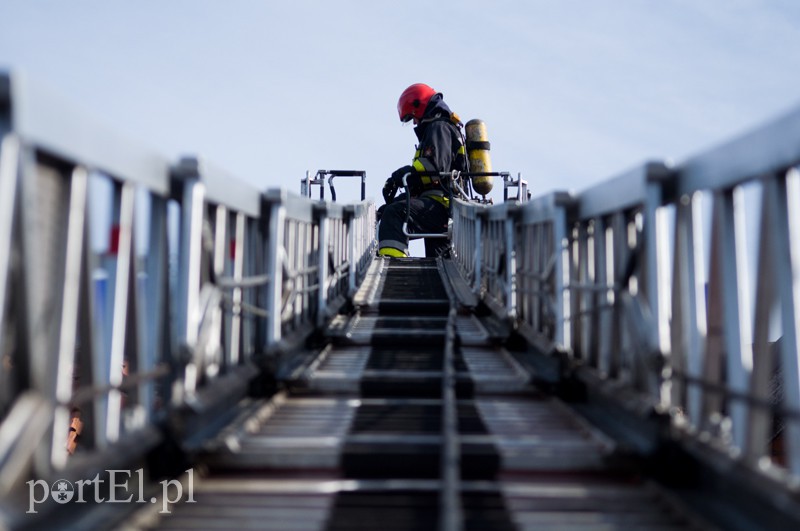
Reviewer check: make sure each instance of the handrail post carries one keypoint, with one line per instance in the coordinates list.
(476, 279)
(511, 267)
(561, 278)
(321, 216)
(275, 219)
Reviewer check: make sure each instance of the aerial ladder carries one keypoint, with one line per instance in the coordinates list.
(239, 358)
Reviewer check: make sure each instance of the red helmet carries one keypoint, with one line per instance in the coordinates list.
(413, 101)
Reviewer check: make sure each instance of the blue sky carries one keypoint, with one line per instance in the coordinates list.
(572, 91)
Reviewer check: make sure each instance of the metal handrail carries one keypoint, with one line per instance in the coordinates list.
(319, 180)
(408, 206)
(615, 277)
(197, 309)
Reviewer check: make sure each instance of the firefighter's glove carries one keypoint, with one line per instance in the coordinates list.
(397, 176)
(389, 190)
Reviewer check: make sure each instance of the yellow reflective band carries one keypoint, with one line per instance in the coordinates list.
(441, 199)
(391, 251)
(418, 165)
(462, 150)
(425, 179)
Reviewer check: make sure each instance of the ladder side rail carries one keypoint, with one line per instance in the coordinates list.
(540, 243)
(112, 393)
(254, 314)
(293, 260)
(225, 294)
(11, 384)
(75, 355)
(497, 260)
(465, 240)
(122, 358)
(616, 278)
(360, 228)
(747, 371)
(191, 277)
(334, 265)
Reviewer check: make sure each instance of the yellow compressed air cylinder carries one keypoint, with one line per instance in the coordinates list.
(478, 155)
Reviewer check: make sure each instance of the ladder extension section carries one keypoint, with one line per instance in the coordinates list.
(414, 417)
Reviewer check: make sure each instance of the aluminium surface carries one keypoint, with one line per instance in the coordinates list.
(545, 496)
(42, 119)
(625, 191)
(355, 369)
(528, 433)
(280, 504)
(330, 453)
(221, 187)
(297, 208)
(402, 285)
(773, 147)
(545, 208)
(365, 329)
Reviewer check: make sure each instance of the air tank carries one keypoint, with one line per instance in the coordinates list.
(478, 155)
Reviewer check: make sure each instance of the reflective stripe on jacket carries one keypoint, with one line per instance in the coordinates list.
(441, 146)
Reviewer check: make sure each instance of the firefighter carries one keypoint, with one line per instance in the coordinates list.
(440, 149)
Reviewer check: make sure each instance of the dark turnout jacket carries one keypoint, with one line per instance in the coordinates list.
(441, 147)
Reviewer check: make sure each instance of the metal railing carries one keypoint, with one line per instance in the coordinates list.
(319, 180)
(131, 288)
(175, 296)
(541, 301)
(613, 319)
(619, 279)
(483, 246)
(317, 256)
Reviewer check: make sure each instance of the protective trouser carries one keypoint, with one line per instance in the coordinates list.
(427, 216)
